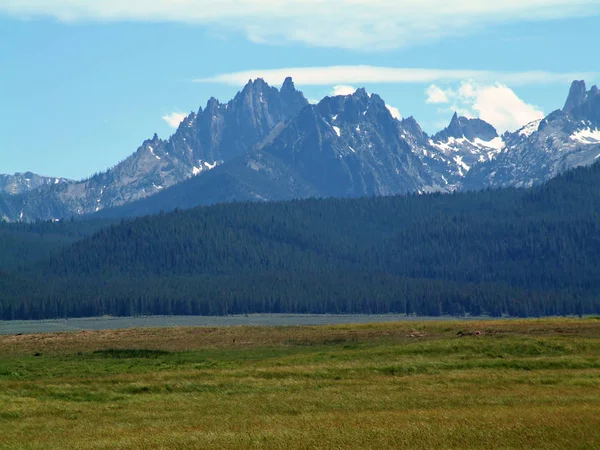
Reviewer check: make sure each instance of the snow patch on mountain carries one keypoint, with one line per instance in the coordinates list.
(203, 166)
(152, 151)
(496, 143)
(587, 136)
(530, 128)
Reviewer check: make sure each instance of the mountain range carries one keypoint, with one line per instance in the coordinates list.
(271, 144)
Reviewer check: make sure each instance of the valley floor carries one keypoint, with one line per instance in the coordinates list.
(435, 384)
(117, 323)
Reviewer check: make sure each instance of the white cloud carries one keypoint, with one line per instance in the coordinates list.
(500, 106)
(436, 95)
(354, 24)
(495, 103)
(353, 75)
(395, 112)
(341, 89)
(174, 119)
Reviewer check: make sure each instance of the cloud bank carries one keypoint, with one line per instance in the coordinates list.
(496, 104)
(352, 24)
(352, 75)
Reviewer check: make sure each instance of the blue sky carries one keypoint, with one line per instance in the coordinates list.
(84, 82)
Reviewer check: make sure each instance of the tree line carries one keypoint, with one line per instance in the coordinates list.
(518, 252)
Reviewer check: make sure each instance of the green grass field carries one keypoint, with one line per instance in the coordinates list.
(486, 384)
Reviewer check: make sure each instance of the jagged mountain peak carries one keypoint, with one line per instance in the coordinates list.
(288, 85)
(471, 129)
(189, 120)
(155, 140)
(256, 84)
(259, 85)
(257, 95)
(411, 125)
(291, 96)
(354, 108)
(212, 105)
(577, 95)
(582, 104)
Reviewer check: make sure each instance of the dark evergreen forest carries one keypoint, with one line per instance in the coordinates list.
(518, 252)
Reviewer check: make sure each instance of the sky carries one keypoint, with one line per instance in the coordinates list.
(84, 82)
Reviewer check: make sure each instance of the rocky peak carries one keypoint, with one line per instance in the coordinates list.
(471, 129)
(577, 96)
(582, 104)
(354, 108)
(255, 94)
(255, 85)
(154, 141)
(411, 126)
(212, 106)
(288, 85)
(293, 99)
(361, 94)
(258, 95)
(188, 120)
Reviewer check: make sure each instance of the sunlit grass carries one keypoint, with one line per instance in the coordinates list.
(503, 384)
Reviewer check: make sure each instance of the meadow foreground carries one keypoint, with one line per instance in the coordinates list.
(484, 384)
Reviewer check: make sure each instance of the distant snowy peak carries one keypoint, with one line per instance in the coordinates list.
(463, 127)
(462, 145)
(541, 150)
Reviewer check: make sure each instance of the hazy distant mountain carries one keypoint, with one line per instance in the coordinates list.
(25, 182)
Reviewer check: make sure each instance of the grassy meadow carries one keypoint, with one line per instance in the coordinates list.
(476, 384)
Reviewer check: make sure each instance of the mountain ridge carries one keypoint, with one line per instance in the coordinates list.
(271, 144)
(201, 142)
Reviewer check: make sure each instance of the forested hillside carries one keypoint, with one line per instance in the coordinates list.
(517, 252)
(26, 243)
